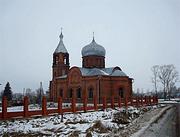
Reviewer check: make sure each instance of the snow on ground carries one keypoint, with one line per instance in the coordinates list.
(53, 126)
(172, 101)
(97, 123)
(50, 105)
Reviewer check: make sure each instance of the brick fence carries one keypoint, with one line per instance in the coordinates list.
(106, 103)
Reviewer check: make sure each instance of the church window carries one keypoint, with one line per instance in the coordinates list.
(63, 72)
(79, 93)
(61, 92)
(70, 93)
(91, 93)
(97, 62)
(64, 60)
(56, 60)
(87, 62)
(121, 92)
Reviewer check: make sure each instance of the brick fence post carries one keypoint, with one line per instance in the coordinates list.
(156, 99)
(119, 102)
(60, 105)
(44, 106)
(141, 100)
(26, 103)
(137, 101)
(73, 103)
(95, 103)
(150, 103)
(112, 102)
(85, 103)
(131, 99)
(153, 100)
(4, 107)
(104, 103)
(146, 103)
(126, 102)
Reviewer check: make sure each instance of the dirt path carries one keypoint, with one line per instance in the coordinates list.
(164, 127)
(178, 120)
(137, 124)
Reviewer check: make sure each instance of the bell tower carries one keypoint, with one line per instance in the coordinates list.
(60, 59)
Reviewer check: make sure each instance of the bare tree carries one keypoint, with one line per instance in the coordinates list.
(40, 93)
(168, 76)
(154, 79)
(172, 79)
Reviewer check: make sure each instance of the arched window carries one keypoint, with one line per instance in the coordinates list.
(121, 92)
(57, 60)
(78, 93)
(64, 60)
(61, 92)
(97, 61)
(70, 93)
(90, 94)
(63, 72)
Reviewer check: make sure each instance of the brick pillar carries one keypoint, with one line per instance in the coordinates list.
(153, 100)
(137, 101)
(104, 103)
(44, 106)
(95, 103)
(131, 99)
(73, 102)
(156, 99)
(112, 102)
(146, 103)
(147, 100)
(126, 102)
(26, 103)
(60, 105)
(85, 102)
(141, 100)
(4, 107)
(119, 102)
(150, 101)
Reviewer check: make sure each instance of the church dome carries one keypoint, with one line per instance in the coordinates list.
(61, 48)
(93, 49)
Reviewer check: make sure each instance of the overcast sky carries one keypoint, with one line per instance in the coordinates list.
(136, 34)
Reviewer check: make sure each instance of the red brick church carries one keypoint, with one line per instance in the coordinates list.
(90, 80)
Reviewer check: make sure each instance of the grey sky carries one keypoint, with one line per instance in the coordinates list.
(136, 34)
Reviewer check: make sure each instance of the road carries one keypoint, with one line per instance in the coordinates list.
(178, 120)
(168, 125)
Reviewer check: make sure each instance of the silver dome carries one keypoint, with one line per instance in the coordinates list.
(93, 49)
(61, 48)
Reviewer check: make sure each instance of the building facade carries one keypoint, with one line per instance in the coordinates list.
(91, 80)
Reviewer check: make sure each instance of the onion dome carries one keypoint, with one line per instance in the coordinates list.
(93, 49)
(61, 48)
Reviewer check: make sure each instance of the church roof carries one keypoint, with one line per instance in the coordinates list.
(93, 49)
(61, 48)
(102, 72)
(118, 73)
(113, 71)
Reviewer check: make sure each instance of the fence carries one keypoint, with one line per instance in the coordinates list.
(118, 102)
